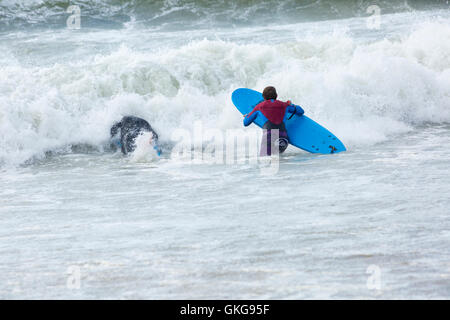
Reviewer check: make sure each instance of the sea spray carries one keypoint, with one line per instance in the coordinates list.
(377, 89)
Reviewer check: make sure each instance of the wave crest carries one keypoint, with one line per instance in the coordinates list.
(376, 89)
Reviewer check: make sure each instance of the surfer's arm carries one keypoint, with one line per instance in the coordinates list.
(295, 109)
(249, 118)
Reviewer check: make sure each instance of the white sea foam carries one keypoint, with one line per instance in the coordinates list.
(136, 228)
(145, 151)
(363, 92)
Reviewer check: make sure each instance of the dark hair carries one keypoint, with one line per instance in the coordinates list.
(269, 93)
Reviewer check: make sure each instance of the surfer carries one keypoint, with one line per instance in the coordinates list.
(130, 128)
(274, 111)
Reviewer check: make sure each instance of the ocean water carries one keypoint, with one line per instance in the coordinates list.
(81, 221)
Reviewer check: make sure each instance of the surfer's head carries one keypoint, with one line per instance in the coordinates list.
(269, 93)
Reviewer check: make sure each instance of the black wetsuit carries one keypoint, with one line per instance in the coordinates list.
(130, 128)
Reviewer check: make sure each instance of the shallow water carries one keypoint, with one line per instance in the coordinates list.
(174, 231)
(148, 228)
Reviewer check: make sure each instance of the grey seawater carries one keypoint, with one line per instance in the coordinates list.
(370, 223)
(167, 229)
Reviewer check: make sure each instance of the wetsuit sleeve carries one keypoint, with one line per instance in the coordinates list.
(115, 128)
(251, 116)
(295, 109)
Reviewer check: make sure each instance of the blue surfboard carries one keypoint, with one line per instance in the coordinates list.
(303, 132)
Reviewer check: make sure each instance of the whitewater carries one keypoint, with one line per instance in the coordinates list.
(79, 220)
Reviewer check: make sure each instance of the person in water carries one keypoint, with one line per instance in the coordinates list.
(273, 112)
(130, 128)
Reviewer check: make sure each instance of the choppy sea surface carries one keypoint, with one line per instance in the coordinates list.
(80, 221)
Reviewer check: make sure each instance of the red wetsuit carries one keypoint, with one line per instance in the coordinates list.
(273, 110)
